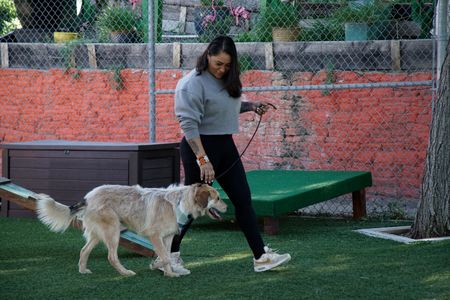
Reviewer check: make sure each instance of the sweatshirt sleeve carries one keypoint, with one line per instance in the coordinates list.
(189, 110)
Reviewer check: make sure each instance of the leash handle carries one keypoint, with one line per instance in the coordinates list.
(271, 105)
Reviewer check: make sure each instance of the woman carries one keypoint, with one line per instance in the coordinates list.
(207, 105)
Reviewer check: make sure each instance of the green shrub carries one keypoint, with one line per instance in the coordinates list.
(7, 16)
(277, 14)
(323, 31)
(280, 14)
(119, 19)
(116, 18)
(365, 13)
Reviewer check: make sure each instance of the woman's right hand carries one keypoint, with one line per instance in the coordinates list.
(207, 172)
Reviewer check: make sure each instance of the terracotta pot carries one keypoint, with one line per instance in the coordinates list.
(281, 34)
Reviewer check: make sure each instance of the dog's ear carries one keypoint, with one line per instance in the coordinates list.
(201, 196)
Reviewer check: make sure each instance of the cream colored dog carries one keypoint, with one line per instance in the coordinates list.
(148, 211)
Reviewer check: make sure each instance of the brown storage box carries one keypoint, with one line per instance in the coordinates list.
(67, 170)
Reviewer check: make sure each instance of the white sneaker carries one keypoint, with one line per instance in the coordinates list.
(176, 263)
(270, 260)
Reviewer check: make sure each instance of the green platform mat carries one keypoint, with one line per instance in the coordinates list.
(277, 192)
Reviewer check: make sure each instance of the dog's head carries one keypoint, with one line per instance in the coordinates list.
(207, 200)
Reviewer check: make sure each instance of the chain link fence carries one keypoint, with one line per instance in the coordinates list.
(340, 39)
(78, 31)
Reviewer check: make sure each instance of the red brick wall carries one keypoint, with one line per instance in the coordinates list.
(383, 130)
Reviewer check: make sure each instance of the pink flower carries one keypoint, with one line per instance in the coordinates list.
(239, 12)
(211, 17)
(134, 3)
(208, 19)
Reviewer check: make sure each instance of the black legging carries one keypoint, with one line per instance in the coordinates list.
(222, 153)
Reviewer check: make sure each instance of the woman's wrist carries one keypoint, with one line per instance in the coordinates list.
(202, 160)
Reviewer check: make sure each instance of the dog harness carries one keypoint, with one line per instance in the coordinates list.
(182, 217)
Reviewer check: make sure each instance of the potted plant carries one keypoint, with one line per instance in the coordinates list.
(68, 26)
(359, 20)
(118, 24)
(281, 19)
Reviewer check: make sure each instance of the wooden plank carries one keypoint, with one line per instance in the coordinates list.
(127, 243)
(271, 225)
(68, 163)
(92, 56)
(68, 154)
(23, 197)
(395, 55)
(63, 196)
(4, 180)
(156, 163)
(176, 55)
(268, 53)
(181, 2)
(158, 183)
(68, 174)
(5, 55)
(136, 248)
(359, 204)
(157, 173)
(67, 185)
(136, 238)
(182, 20)
(18, 190)
(104, 147)
(18, 195)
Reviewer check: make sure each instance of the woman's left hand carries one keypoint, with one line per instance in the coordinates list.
(261, 107)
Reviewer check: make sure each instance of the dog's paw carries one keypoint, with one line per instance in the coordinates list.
(128, 273)
(85, 271)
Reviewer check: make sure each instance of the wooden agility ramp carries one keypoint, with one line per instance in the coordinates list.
(27, 199)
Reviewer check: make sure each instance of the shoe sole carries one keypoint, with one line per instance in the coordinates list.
(273, 266)
(179, 273)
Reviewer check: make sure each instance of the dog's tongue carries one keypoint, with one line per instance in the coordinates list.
(215, 213)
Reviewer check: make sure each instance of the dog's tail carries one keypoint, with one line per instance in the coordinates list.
(55, 215)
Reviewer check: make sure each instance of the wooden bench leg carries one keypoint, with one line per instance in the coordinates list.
(271, 225)
(359, 204)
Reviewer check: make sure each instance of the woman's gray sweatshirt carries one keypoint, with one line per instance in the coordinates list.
(203, 106)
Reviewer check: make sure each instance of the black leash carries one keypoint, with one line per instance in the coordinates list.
(246, 147)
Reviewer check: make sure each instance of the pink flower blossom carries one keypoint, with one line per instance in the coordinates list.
(134, 3)
(208, 19)
(239, 12)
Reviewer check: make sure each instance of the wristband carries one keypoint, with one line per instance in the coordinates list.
(202, 160)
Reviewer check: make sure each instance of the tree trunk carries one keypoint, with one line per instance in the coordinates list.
(432, 218)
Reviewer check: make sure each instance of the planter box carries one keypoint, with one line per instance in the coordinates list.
(67, 170)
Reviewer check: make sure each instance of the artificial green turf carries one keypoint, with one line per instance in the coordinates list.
(329, 261)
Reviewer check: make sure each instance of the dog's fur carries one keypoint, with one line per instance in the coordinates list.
(148, 211)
